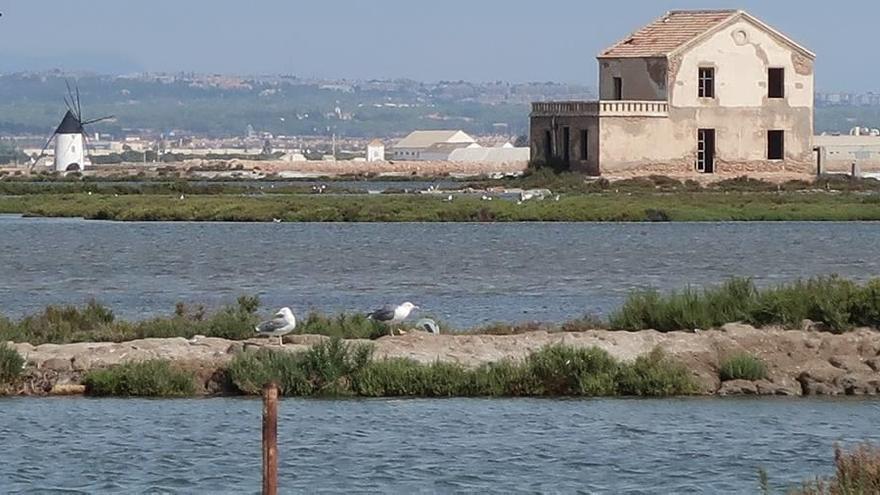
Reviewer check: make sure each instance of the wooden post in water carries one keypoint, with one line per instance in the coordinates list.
(270, 439)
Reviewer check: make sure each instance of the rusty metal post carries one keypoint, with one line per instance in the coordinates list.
(270, 439)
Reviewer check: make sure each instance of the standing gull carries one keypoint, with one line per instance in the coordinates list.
(392, 315)
(283, 323)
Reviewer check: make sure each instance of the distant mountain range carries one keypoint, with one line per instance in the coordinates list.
(220, 105)
(225, 105)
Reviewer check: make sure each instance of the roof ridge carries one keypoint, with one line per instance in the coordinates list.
(705, 11)
(667, 33)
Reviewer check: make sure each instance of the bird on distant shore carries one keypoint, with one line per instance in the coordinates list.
(392, 315)
(283, 323)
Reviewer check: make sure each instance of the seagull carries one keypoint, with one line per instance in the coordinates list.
(283, 323)
(392, 315)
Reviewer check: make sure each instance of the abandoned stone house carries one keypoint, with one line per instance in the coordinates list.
(704, 90)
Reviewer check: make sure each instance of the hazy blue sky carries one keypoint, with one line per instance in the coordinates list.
(516, 40)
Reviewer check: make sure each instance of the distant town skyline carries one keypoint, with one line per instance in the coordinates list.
(451, 40)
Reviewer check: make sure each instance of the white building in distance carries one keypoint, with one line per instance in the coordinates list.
(376, 151)
(431, 145)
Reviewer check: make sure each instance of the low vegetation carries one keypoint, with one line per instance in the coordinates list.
(97, 323)
(94, 322)
(833, 304)
(837, 303)
(570, 182)
(742, 367)
(345, 326)
(11, 364)
(857, 473)
(612, 204)
(142, 379)
(336, 368)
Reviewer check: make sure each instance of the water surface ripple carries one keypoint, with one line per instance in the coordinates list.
(466, 274)
(425, 446)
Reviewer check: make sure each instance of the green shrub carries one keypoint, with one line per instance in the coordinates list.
(406, 378)
(687, 309)
(96, 323)
(329, 366)
(11, 364)
(838, 303)
(857, 473)
(141, 379)
(654, 375)
(506, 378)
(342, 326)
(59, 323)
(249, 371)
(742, 367)
(559, 370)
(335, 368)
(325, 369)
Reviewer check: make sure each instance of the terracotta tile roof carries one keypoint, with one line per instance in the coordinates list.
(668, 33)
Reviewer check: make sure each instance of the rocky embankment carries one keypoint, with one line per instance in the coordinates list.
(799, 362)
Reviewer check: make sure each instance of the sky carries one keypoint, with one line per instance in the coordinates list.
(474, 40)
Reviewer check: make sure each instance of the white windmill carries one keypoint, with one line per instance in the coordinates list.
(71, 140)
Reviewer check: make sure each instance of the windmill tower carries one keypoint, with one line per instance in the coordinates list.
(70, 144)
(71, 139)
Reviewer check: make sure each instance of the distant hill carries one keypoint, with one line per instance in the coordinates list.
(223, 106)
(219, 106)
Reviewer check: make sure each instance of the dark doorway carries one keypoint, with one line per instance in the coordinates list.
(566, 146)
(775, 145)
(706, 151)
(548, 146)
(585, 145)
(618, 88)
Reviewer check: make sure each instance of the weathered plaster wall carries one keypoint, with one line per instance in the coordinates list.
(642, 143)
(540, 125)
(643, 79)
(741, 111)
(628, 143)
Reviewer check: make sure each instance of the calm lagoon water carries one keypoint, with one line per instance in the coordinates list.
(425, 446)
(466, 274)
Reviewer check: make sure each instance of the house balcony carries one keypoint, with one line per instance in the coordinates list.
(604, 108)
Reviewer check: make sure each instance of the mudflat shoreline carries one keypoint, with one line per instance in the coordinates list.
(799, 362)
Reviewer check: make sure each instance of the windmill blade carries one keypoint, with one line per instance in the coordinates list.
(42, 152)
(79, 108)
(87, 146)
(95, 121)
(71, 105)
